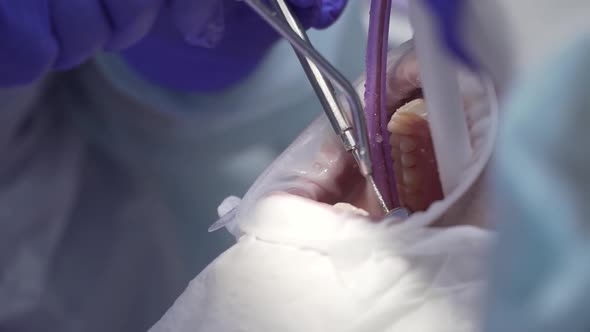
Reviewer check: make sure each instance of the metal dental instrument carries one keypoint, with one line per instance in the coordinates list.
(354, 138)
(322, 87)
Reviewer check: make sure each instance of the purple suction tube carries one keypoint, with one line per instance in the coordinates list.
(375, 111)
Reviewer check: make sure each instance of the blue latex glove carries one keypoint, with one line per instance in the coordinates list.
(447, 15)
(230, 46)
(42, 35)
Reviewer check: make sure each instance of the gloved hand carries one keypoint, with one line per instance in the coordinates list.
(42, 35)
(178, 55)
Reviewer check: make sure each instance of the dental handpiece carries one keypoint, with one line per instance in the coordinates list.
(327, 96)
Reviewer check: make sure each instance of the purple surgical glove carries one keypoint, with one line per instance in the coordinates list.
(42, 35)
(228, 48)
(447, 16)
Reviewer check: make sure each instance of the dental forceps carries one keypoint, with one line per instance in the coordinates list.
(322, 75)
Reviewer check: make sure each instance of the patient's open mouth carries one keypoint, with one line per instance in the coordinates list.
(414, 172)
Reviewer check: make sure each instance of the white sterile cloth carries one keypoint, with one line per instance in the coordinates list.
(306, 266)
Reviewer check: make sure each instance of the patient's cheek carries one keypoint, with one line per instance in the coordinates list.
(414, 161)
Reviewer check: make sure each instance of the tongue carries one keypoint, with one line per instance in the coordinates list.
(375, 111)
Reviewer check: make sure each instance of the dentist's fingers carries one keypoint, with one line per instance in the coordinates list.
(78, 44)
(130, 20)
(200, 22)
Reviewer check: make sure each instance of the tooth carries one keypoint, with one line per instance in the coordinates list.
(407, 144)
(405, 124)
(413, 155)
(408, 160)
(346, 207)
(410, 190)
(399, 127)
(415, 107)
(411, 177)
